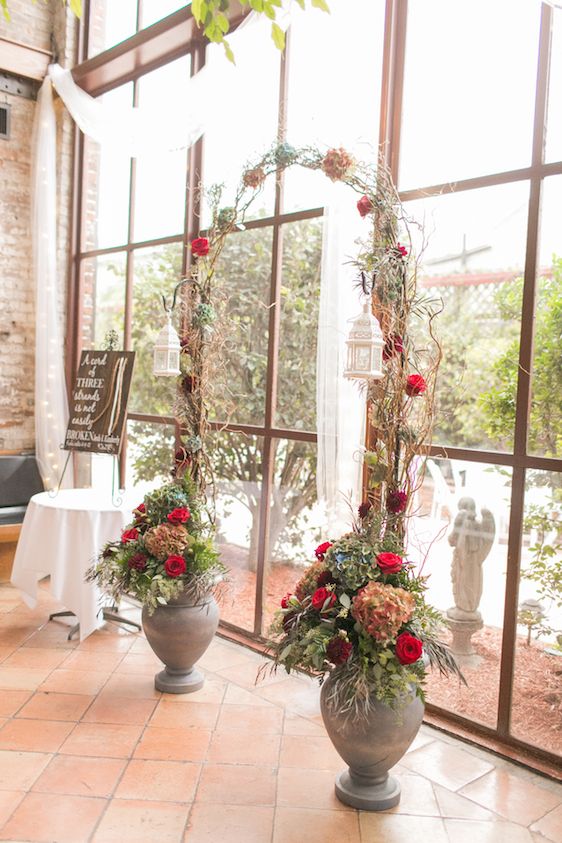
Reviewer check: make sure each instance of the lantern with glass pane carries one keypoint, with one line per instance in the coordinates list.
(167, 351)
(364, 347)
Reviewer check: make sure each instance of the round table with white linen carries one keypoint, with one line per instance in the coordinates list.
(60, 537)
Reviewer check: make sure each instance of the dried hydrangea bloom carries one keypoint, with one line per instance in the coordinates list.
(382, 610)
(166, 540)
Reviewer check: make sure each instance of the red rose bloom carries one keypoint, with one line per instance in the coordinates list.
(175, 566)
(324, 577)
(400, 251)
(393, 345)
(389, 563)
(200, 247)
(285, 600)
(322, 549)
(408, 648)
(179, 515)
(416, 385)
(396, 501)
(130, 535)
(141, 508)
(138, 562)
(319, 598)
(364, 509)
(338, 650)
(365, 206)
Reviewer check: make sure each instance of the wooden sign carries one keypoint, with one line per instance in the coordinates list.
(98, 409)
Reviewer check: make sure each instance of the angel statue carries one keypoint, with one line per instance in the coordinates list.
(472, 539)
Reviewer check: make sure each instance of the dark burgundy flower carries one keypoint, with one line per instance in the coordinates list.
(399, 251)
(393, 345)
(365, 206)
(364, 509)
(322, 549)
(184, 342)
(320, 597)
(396, 501)
(338, 650)
(188, 384)
(288, 621)
(416, 385)
(324, 578)
(200, 247)
(137, 562)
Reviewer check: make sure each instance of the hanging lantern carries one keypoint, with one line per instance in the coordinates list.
(167, 351)
(364, 347)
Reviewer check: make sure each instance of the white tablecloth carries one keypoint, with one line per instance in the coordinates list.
(60, 537)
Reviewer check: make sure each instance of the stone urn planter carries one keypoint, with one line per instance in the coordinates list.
(179, 633)
(370, 747)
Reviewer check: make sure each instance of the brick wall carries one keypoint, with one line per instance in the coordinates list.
(31, 24)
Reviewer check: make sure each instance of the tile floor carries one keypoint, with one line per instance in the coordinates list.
(89, 751)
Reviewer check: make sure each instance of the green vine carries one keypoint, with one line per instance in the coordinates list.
(75, 7)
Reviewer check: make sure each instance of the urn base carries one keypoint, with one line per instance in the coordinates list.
(179, 682)
(377, 796)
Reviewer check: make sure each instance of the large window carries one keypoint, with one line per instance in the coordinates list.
(474, 148)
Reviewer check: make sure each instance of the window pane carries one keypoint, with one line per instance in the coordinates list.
(155, 10)
(334, 90)
(110, 23)
(474, 253)
(156, 273)
(104, 298)
(554, 120)
(161, 176)
(244, 274)
(237, 463)
(458, 537)
(468, 90)
(106, 186)
(150, 455)
(536, 693)
(300, 297)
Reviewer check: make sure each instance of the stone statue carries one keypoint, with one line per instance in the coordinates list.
(472, 539)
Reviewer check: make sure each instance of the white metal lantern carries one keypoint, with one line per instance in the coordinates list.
(364, 347)
(167, 351)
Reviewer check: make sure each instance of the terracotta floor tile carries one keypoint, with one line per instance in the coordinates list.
(295, 695)
(51, 637)
(80, 776)
(212, 692)
(144, 663)
(417, 797)
(246, 674)
(11, 701)
(454, 806)
(42, 659)
(235, 748)
(250, 719)
(173, 715)
(142, 822)
(235, 695)
(52, 706)
(75, 681)
(401, 828)
(5, 652)
(9, 800)
(109, 709)
(222, 656)
(237, 785)
(297, 825)
(469, 831)
(22, 678)
(294, 724)
(163, 781)
(173, 744)
(108, 640)
(34, 735)
(18, 770)
(309, 753)
(229, 824)
(132, 686)
(141, 645)
(92, 660)
(48, 817)
(101, 740)
(511, 797)
(550, 825)
(308, 789)
(446, 765)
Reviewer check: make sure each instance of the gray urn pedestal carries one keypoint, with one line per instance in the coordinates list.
(370, 747)
(179, 633)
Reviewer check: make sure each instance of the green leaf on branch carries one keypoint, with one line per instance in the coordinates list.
(76, 7)
(320, 4)
(278, 36)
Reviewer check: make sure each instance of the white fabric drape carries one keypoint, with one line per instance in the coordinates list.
(51, 407)
(340, 402)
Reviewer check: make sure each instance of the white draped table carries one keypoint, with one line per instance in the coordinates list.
(60, 537)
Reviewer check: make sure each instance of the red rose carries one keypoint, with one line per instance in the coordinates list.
(175, 566)
(416, 385)
(140, 508)
(364, 509)
(285, 600)
(338, 650)
(320, 596)
(129, 535)
(396, 501)
(365, 206)
(200, 247)
(138, 562)
(400, 251)
(179, 515)
(393, 345)
(324, 577)
(408, 648)
(322, 549)
(389, 563)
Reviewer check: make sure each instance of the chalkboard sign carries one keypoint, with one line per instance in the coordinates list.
(98, 408)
